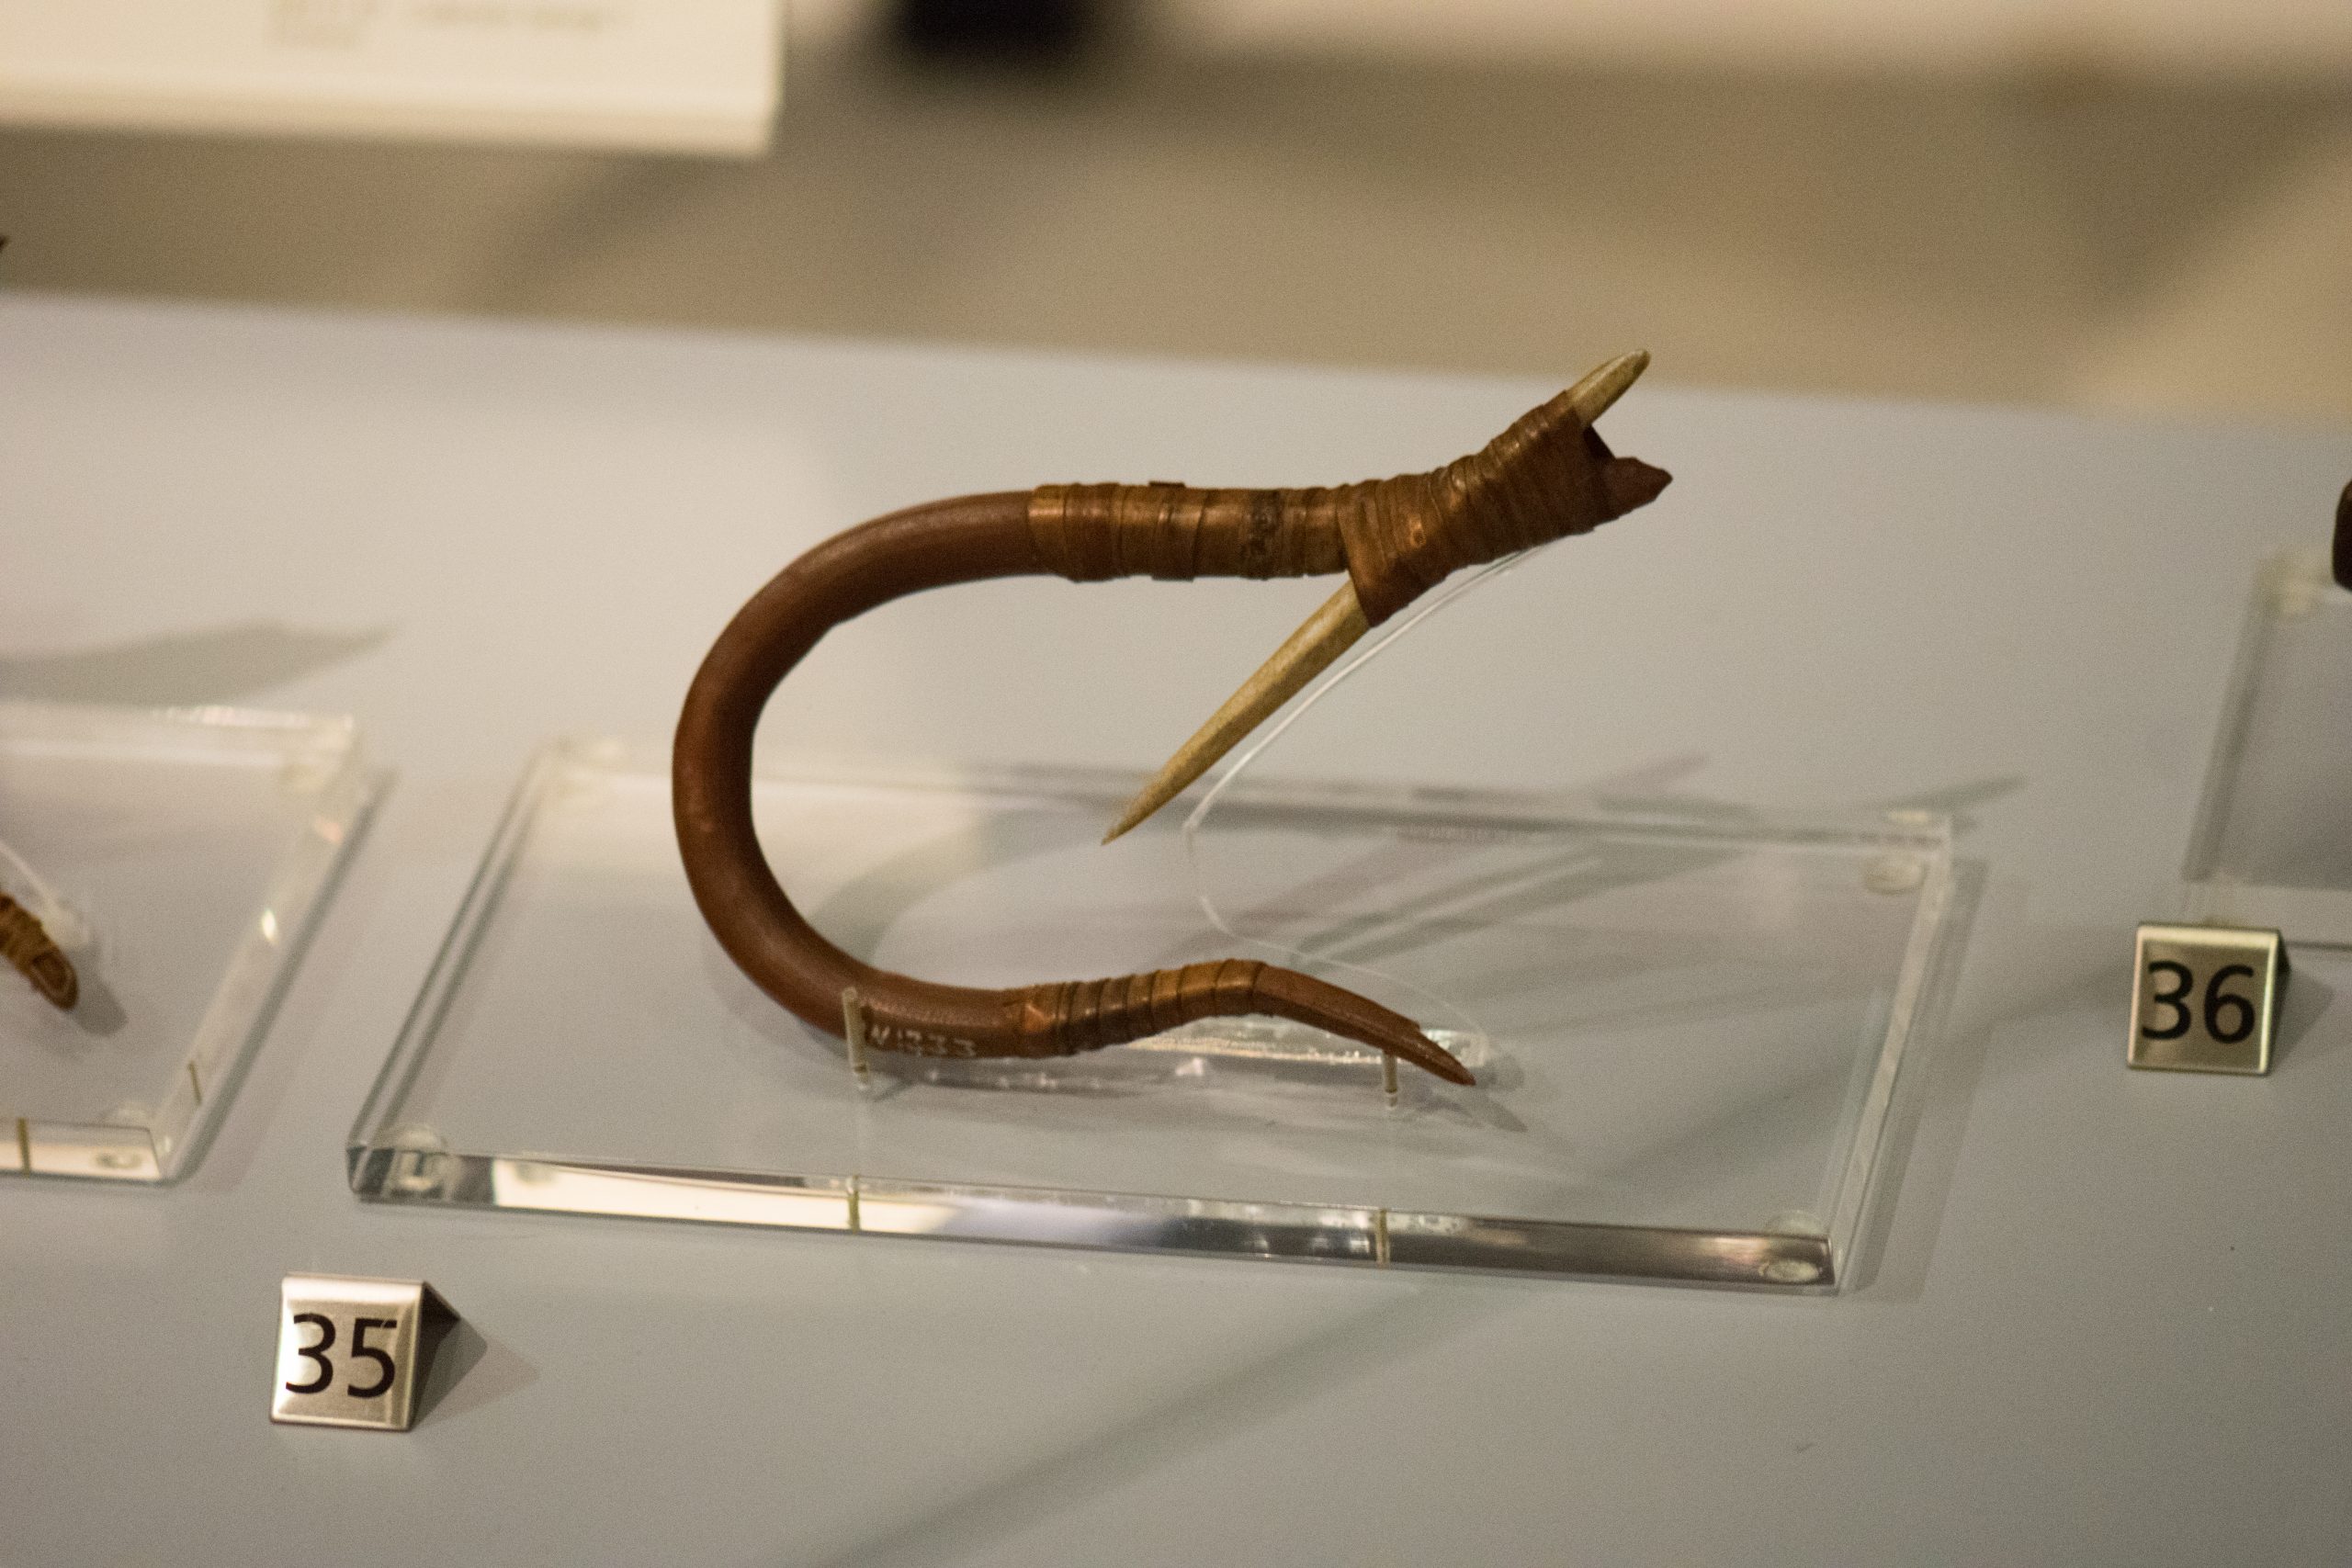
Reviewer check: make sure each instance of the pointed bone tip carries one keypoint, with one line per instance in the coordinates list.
(1591, 396)
(1304, 654)
(1138, 811)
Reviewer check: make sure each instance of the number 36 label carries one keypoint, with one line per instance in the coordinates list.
(2206, 999)
(350, 1351)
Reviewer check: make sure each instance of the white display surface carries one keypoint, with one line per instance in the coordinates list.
(2107, 1322)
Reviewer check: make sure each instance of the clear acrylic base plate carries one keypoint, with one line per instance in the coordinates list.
(1686, 1029)
(2273, 841)
(179, 858)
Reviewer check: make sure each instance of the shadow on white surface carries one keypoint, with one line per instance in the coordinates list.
(469, 1371)
(1249, 1394)
(2307, 1000)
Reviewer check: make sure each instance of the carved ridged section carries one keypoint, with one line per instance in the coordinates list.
(1541, 480)
(1095, 533)
(1546, 477)
(1067, 1017)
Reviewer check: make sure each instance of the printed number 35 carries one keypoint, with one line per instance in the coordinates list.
(361, 1350)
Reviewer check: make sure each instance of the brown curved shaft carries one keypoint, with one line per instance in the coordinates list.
(26, 943)
(1540, 480)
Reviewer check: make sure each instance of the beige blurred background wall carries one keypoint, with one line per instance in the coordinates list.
(2061, 212)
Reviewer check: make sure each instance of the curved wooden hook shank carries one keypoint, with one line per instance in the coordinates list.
(1547, 476)
(966, 540)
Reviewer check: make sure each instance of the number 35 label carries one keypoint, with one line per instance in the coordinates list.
(2207, 999)
(351, 1352)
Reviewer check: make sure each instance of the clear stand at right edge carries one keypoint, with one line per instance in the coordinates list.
(2273, 841)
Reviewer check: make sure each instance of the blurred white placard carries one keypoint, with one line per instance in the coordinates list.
(664, 76)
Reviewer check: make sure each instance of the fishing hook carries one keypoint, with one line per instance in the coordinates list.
(1546, 477)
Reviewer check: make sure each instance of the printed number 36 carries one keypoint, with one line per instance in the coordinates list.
(361, 1350)
(2219, 1005)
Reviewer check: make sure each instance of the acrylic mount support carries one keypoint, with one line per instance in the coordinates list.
(180, 857)
(1687, 1026)
(2273, 841)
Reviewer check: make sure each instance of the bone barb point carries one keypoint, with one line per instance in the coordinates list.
(1337, 626)
(1326, 635)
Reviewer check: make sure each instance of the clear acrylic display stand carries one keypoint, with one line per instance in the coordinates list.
(2273, 841)
(179, 858)
(1686, 1027)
